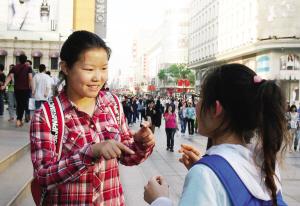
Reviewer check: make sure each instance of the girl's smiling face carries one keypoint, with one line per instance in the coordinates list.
(88, 74)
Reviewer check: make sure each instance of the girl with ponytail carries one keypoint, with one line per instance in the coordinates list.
(244, 118)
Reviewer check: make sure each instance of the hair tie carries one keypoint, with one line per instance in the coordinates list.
(257, 79)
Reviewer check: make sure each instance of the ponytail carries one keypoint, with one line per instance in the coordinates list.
(271, 129)
(62, 78)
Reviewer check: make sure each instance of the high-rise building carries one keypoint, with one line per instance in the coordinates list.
(264, 35)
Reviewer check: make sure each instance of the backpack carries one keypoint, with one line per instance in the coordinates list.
(55, 120)
(235, 188)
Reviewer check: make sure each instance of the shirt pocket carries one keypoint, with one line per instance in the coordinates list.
(74, 141)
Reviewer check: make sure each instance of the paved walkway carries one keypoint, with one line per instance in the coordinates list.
(161, 162)
(165, 163)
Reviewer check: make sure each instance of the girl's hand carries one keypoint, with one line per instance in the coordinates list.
(144, 135)
(190, 155)
(110, 149)
(156, 187)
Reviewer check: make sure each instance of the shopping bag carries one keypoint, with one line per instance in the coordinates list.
(31, 104)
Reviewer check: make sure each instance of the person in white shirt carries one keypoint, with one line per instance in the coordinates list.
(41, 87)
(244, 116)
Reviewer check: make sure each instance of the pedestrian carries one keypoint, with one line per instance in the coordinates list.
(151, 114)
(241, 168)
(41, 87)
(191, 116)
(182, 117)
(2, 92)
(22, 75)
(293, 127)
(170, 126)
(11, 97)
(95, 141)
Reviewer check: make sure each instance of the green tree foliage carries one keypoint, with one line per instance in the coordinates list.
(177, 71)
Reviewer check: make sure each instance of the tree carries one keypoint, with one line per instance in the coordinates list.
(162, 75)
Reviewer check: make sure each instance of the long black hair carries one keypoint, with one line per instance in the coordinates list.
(252, 107)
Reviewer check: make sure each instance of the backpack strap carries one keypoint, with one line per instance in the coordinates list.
(235, 188)
(116, 109)
(55, 120)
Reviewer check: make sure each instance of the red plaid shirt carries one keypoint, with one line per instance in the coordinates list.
(77, 178)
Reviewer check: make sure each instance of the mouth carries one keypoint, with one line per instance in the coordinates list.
(94, 87)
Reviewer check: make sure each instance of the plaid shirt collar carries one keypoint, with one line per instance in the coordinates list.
(102, 101)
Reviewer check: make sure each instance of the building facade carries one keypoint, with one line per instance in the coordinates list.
(38, 28)
(264, 35)
(34, 28)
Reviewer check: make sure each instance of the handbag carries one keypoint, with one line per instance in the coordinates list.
(31, 104)
(55, 120)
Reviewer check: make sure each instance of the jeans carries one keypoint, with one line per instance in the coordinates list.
(191, 126)
(183, 125)
(1, 102)
(11, 104)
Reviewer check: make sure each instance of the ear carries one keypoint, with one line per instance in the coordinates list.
(64, 67)
(218, 109)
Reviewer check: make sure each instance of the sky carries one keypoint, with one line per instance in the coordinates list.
(124, 18)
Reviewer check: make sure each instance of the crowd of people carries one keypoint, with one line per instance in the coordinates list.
(247, 133)
(20, 85)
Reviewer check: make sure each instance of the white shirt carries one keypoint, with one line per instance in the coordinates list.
(41, 85)
(203, 187)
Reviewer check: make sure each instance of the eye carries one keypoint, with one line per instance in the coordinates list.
(104, 68)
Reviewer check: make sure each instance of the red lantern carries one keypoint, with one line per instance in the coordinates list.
(180, 82)
(187, 83)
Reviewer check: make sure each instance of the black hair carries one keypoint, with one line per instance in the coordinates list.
(29, 61)
(293, 107)
(251, 108)
(22, 58)
(42, 68)
(77, 43)
(1, 67)
(48, 72)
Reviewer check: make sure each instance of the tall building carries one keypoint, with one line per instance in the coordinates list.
(169, 41)
(263, 35)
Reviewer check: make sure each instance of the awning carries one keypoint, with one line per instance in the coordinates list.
(54, 54)
(18, 53)
(36, 53)
(3, 52)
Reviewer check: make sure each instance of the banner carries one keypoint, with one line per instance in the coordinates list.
(32, 15)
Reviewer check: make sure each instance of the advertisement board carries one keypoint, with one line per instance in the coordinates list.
(32, 15)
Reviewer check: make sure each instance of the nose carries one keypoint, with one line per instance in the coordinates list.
(99, 75)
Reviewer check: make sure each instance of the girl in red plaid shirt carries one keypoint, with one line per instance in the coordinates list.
(94, 142)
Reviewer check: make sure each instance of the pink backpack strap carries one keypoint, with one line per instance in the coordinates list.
(56, 121)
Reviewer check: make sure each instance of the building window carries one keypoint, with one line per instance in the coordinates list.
(36, 62)
(54, 63)
(2, 60)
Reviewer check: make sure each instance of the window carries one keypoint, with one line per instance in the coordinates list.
(54, 63)
(17, 59)
(36, 62)
(2, 60)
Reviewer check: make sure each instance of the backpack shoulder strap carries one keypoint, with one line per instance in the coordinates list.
(117, 109)
(235, 188)
(55, 120)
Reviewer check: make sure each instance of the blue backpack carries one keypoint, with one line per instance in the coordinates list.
(236, 190)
